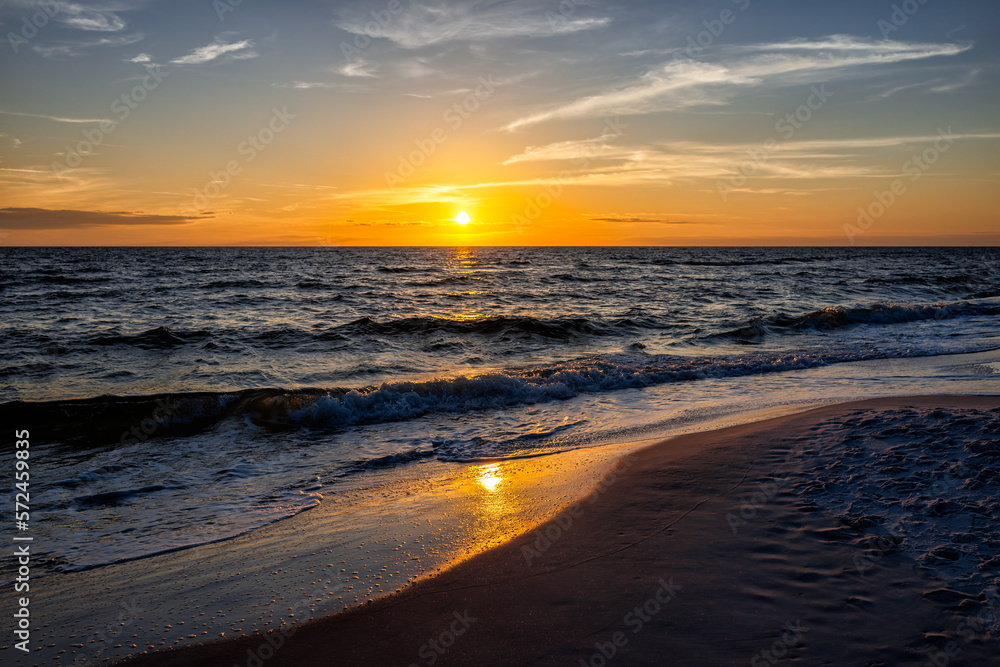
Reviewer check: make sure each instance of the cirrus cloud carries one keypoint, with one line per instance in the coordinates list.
(237, 51)
(683, 82)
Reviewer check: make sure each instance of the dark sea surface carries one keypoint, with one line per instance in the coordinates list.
(216, 390)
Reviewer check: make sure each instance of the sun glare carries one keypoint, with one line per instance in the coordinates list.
(489, 477)
(462, 218)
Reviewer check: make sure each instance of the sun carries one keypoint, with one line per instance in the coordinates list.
(462, 218)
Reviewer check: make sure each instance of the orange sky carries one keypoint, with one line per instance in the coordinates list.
(594, 128)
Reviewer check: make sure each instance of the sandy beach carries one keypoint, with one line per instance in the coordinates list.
(736, 546)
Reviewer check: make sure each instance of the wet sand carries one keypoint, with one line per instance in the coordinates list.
(364, 541)
(706, 549)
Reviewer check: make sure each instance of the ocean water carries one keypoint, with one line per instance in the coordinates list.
(187, 395)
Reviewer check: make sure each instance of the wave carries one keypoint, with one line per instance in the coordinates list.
(838, 317)
(160, 338)
(397, 401)
(105, 420)
(388, 461)
(567, 277)
(446, 281)
(512, 326)
(518, 328)
(406, 269)
(108, 420)
(246, 283)
(738, 262)
(959, 280)
(116, 498)
(59, 279)
(557, 328)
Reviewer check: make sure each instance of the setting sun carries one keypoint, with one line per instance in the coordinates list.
(462, 218)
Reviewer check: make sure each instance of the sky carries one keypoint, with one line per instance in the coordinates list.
(544, 122)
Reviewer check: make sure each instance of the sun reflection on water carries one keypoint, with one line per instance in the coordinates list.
(489, 477)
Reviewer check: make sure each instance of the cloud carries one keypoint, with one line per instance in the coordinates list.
(57, 119)
(141, 58)
(684, 83)
(847, 158)
(306, 85)
(91, 19)
(359, 68)
(645, 219)
(346, 86)
(204, 54)
(845, 43)
(565, 150)
(429, 23)
(74, 49)
(101, 16)
(41, 218)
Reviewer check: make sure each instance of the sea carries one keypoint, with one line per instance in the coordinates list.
(182, 396)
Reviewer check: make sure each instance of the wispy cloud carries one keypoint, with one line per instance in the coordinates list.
(656, 219)
(100, 16)
(346, 86)
(971, 78)
(141, 58)
(684, 83)
(237, 51)
(565, 150)
(77, 48)
(429, 23)
(846, 158)
(359, 68)
(89, 18)
(57, 119)
(306, 85)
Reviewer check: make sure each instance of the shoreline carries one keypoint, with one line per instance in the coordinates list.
(662, 535)
(364, 543)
